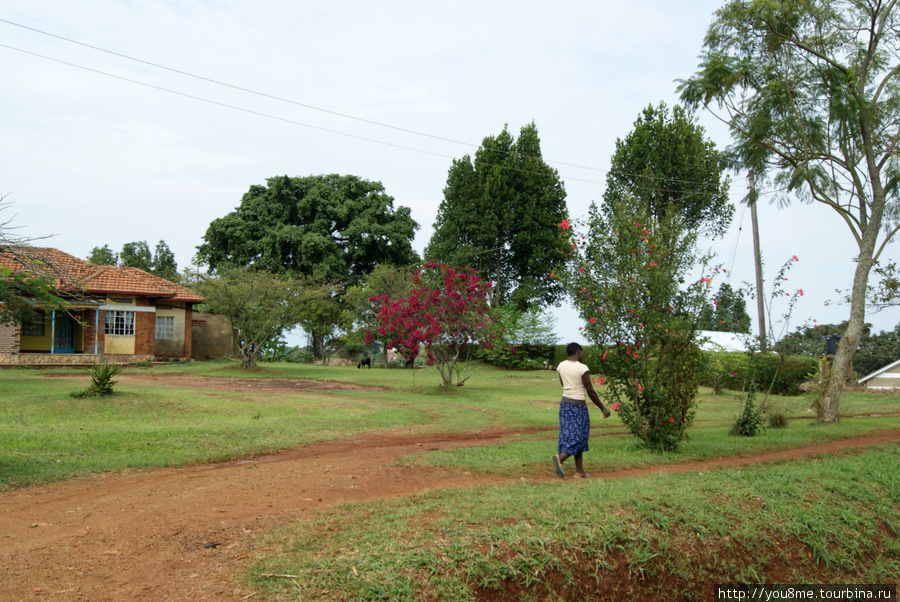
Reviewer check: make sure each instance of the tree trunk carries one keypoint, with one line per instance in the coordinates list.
(841, 371)
(870, 227)
(318, 345)
(757, 262)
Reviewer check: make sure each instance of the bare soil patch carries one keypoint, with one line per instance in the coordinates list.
(182, 534)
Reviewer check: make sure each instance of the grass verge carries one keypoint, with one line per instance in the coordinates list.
(663, 537)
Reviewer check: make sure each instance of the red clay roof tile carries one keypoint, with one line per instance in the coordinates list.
(71, 274)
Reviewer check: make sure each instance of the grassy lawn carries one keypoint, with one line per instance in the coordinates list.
(829, 519)
(664, 537)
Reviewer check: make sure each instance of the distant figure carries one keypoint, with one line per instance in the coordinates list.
(365, 361)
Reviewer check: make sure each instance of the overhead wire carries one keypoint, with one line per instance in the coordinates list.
(304, 105)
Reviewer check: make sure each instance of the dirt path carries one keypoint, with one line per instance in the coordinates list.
(182, 534)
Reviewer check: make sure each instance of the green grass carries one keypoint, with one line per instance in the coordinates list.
(46, 435)
(814, 520)
(666, 537)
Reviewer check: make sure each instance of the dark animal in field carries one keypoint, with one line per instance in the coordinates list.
(366, 361)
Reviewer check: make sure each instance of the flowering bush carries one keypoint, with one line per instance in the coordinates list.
(640, 308)
(445, 314)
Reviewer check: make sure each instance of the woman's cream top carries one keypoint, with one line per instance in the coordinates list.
(570, 374)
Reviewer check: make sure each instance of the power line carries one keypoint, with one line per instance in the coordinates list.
(300, 104)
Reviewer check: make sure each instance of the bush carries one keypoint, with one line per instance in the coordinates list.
(729, 369)
(519, 357)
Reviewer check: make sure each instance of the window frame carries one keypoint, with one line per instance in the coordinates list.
(119, 322)
(35, 327)
(168, 327)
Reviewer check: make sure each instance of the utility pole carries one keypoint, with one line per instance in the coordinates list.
(757, 260)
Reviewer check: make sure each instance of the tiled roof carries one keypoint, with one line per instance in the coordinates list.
(71, 274)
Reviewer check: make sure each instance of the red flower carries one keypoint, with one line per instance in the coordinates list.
(565, 225)
(593, 320)
(603, 357)
(581, 270)
(671, 419)
(801, 292)
(583, 290)
(615, 406)
(794, 257)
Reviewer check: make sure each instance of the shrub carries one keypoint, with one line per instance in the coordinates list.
(730, 370)
(102, 382)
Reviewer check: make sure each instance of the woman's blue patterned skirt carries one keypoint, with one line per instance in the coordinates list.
(574, 428)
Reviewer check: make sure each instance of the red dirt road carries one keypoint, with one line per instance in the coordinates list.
(182, 534)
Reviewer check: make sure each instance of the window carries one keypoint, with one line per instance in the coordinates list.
(120, 322)
(165, 327)
(35, 326)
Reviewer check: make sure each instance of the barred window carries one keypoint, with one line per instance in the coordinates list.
(165, 327)
(35, 326)
(120, 322)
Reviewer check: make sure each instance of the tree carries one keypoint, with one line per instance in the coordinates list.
(260, 305)
(136, 255)
(26, 276)
(163, 264)
(727, 312)
(446, 312)
(875, 350)
(494, 214)
(328, 227)
(809, 89)
(365, 300)
(667, 163)
(631, 289)
(103, 256)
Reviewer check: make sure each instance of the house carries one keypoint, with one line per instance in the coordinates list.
(122, 314)
(885, 378)
(712, 340)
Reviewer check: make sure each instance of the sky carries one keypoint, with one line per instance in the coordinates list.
(101, 149)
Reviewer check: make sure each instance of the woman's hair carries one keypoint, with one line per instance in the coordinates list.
(572, 348)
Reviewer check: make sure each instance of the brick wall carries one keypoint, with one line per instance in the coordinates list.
(93, 328)
(144, 329)
(9, 338)
(187, 330)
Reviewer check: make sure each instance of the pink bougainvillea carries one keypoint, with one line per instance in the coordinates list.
(445, 313)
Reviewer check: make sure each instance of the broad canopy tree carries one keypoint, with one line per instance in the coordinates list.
(494, 218)
(811, 92)
(329, 227)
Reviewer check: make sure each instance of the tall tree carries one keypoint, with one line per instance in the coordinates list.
(164, 264)
(103, 256)
(329, 227)
(727, 312)
(494, 218)
(666, 163)
(136, 255)
(811, 92)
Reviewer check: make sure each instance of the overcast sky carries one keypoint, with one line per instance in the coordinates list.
(92, 157)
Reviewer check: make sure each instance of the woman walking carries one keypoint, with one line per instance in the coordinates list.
(574, 421)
